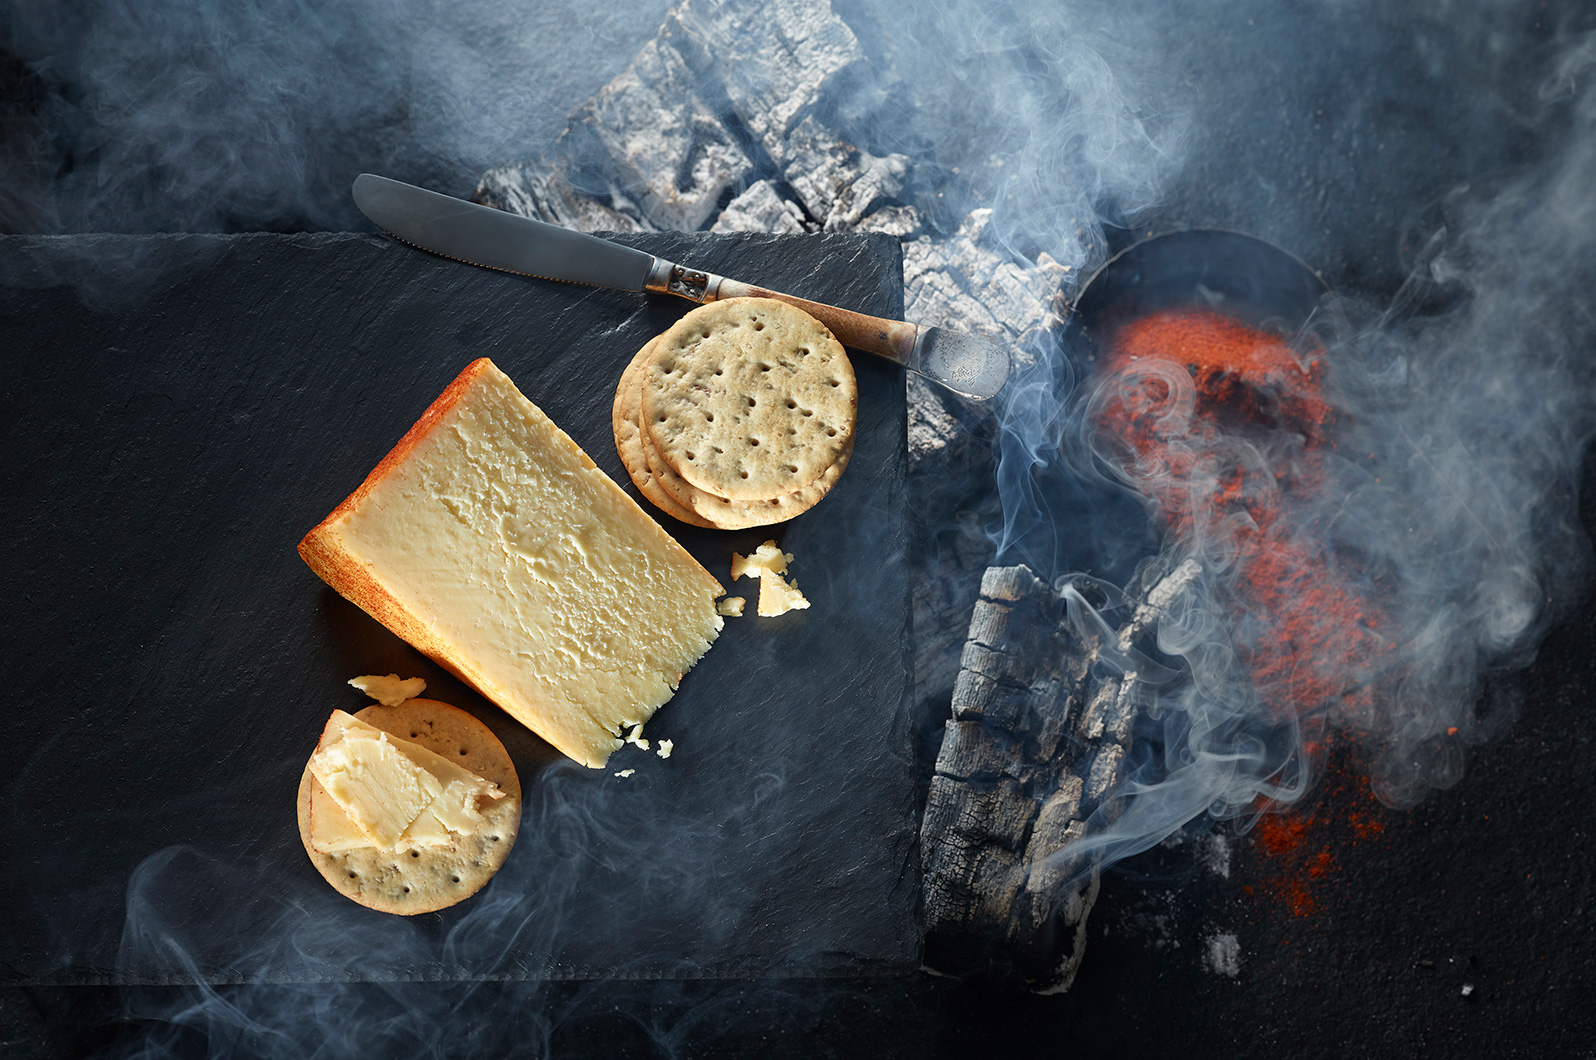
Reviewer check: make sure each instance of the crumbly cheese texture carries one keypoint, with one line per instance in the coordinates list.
(777, 597)
(493, 543)
(388, 793)
(768, 563)
(767, 558)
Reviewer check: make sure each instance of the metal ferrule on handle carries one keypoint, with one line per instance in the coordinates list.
(892, 339)
(667, 277)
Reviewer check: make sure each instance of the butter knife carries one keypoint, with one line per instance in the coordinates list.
(971, 365)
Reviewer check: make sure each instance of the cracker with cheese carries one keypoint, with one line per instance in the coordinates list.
(408, 808)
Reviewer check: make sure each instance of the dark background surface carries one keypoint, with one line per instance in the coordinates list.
(1339, 131)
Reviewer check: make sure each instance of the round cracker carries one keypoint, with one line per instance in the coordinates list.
(427, 879)
(741, 515)
(625, 417)
(666, 490)
(749, 398)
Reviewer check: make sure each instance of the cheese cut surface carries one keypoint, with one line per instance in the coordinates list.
(777, 597)
(492, 543)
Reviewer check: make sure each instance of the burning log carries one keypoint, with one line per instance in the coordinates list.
(1037, 740)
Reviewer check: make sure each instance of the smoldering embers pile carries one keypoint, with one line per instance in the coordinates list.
(683, 139)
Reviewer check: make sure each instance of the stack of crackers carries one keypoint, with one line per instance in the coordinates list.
(740, 415)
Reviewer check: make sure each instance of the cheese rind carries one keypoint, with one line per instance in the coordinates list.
(491, 542)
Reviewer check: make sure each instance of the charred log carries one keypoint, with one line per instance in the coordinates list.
(1036, 744)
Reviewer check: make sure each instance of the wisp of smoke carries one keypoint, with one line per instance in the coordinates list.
(1371, 573)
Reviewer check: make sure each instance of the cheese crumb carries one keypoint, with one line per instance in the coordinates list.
(389, 690)
(730, 606)
(636, 736)
(776, 597)
(767, 559)
(665, 748)
(768, 564)
(626, 772)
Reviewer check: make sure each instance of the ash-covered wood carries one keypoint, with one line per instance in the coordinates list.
(726, 121)
(1035, 746)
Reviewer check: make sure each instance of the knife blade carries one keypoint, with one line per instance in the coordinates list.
(972, 365)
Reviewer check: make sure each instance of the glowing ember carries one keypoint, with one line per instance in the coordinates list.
(1225, 428)
(1302, 866)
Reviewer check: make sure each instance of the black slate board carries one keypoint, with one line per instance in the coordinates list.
(182, 409)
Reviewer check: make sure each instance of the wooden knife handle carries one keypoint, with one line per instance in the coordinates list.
(892, 339)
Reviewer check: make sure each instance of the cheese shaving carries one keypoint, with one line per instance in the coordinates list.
(390, 691)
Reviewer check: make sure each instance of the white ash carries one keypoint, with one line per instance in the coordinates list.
(1223, 955)
(899, 221)
(774, 62)
(683, 140)
(661, 145)
(1213, 854)
(837, 183)
(761, 208)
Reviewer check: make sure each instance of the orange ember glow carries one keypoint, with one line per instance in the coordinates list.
(1302, 872)
(1223, 428)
